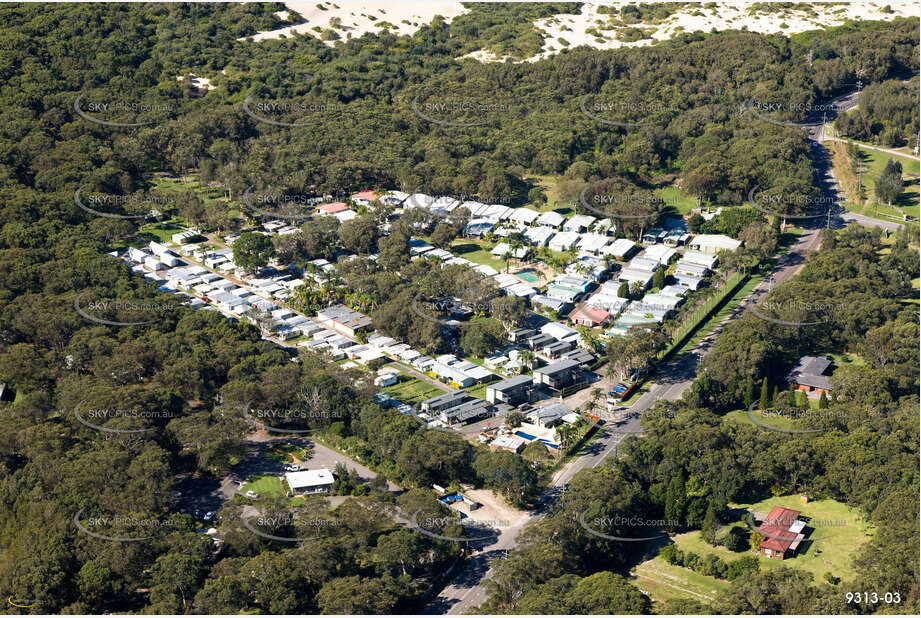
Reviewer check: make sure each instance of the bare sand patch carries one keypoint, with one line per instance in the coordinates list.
(358, 18)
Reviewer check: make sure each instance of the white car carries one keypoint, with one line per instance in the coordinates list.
(209, 516)
(251, 494)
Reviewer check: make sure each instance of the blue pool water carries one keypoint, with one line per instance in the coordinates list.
(529, 274)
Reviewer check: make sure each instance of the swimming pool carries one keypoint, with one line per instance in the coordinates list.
(529, 274)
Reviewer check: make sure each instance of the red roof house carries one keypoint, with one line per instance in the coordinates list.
(331, 208)
(365, 197)
(590, 316)
(782, 532)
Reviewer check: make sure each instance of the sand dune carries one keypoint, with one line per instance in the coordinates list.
(406, 17)
(357, 18)
(723, 16)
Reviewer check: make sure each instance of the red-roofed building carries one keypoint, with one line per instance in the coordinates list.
(782, 532)
(331, 208)
(363, 198)
(590, 316)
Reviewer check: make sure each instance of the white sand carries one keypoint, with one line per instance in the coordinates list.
(198, 82)
(725, 16)
(356, 17)
(355, 21)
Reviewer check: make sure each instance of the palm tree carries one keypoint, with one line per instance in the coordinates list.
(584, 269)
(564, 435)
(590, 406)
(609, 261)
(527, 359)
(507, 256)
(595, 395)
(589, 338)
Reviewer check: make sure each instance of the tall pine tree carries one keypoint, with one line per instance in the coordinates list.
(763, 402)
(675, 501)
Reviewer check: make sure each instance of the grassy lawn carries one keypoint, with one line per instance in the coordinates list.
(677, 200)
(664, 582)
(285, 453)
(550, 184)
(478, 391)
(477, 251)
(160, 232)
(637, 393)
(847, 359)
(208, 195)
(266, 485)
(839, 532)
(412, 390)
(875, 161)
(873, 164)
(781, 421)
(729, 304)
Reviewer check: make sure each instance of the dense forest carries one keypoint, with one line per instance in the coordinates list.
(887, 115)
(195, 368)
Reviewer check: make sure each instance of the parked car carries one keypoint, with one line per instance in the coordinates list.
(251, 494)
(209, 516)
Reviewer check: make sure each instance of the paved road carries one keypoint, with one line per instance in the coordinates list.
(895, 153)
(824, 170)
(853, 217)
(678, 373)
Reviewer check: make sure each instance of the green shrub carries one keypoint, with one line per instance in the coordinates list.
(742, 566)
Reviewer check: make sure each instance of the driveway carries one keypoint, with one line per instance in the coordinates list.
(321, 457)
